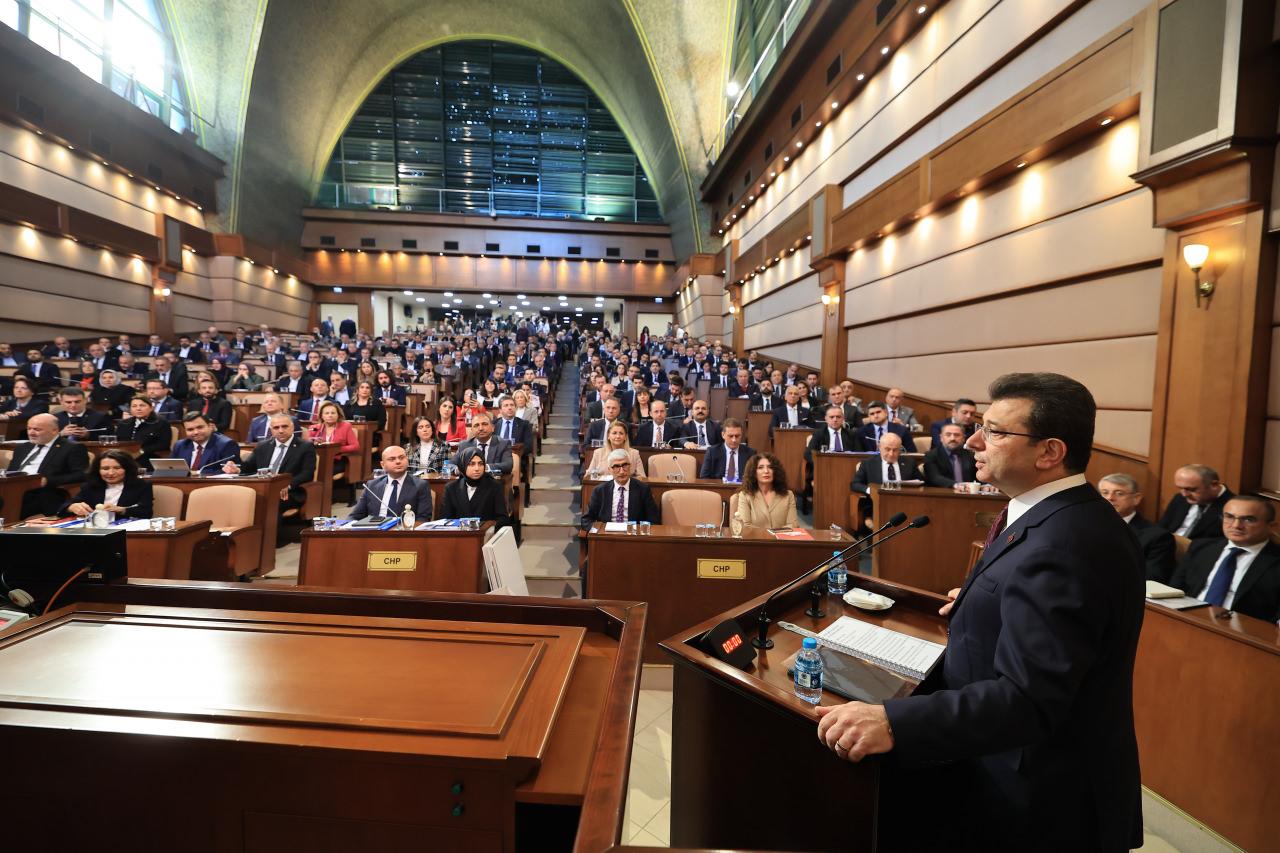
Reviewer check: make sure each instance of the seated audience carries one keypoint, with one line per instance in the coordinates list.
(46, 375)
(332, 428)
(878, 424)
(1158, 549)
(203, 448)
(699, 430)
(24, 403)
(767, 398)
(173, 373)
(617, 438)
(388, 391)
(596, 430)
(963, 413)
(833, 436)
(623, 498)
(430, 452)
(111, 392)
(449, 423)
(1196, 511)
(475, 494)
(949, 462)
(727, 460)
(363, 404)
(283, 453)
(260, 426)
(59, 460)
(887, 467)
(764, 501)
(510, 427)
(789, 414)
(61, 348)
(389, 494)
(153, 434)
(76, 421)
(1242, 572)
(113, 481)
(292, 382)
(497, 451)
(903, 416)
(166, 407)
(308, 410)
(208, 403)
(657, 431)
(245, 379)
(86, 379)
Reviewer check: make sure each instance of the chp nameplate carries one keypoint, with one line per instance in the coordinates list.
(722, 569)
(393, 561)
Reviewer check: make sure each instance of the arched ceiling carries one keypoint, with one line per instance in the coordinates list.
(279, 79)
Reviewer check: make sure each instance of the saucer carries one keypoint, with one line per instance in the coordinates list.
(864, 600)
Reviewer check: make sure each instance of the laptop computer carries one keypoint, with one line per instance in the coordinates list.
(170, 468)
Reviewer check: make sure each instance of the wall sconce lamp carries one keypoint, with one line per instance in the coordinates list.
(1195, 254)
(733, 309)
(831, 302)
(162, 293)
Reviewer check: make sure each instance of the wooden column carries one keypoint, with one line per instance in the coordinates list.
(835, 337)
(631, 318)
(739, 325)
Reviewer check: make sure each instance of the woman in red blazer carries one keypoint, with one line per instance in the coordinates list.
(448, 423)
(332, 428)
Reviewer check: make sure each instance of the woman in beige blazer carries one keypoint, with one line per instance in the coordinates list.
(618, 438)
(764, 501)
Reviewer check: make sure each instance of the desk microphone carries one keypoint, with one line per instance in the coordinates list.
(378, 498)
(200, 470)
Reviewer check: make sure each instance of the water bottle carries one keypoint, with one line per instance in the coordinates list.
(837, 575)
(407, 519)
(808, 672)
(99, 517)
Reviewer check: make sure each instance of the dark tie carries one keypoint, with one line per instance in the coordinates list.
(893, 471)
(484, 452)
(1221, 584)
(507, 428)
(955, 467)
(618, 514)
(205, 410)
(997, 527)
(395, 497)
(879, 435)
(731, 468)
(195, 462)
(836, 445)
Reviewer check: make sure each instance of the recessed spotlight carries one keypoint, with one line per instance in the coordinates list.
(457, 302)
(921, 9)
(835, 105)
(762, 185)
(751, 198)
(488, 295)
(1022, 164)
(421, 299)
(721, 231)
(884, 51)
(799, 144)
(337, 290)
(773, 174)
(448, 293)
(1106, 121)
(408, 292)
(786, 159)
(861, 77)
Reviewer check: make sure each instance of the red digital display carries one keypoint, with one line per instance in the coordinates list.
(732, 643)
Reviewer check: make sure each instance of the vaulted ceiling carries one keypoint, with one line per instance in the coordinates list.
(276, 82)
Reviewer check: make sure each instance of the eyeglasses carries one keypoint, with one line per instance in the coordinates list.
(620, 466)
(1243, 519)
(988, 433)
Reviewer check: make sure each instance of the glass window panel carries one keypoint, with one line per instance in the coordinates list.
(88, 61)
(138, 48)
(44, 32)
(9, 13)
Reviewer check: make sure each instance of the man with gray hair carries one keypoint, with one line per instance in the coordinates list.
(1124, 493)
(621, 499)
(1196, 510)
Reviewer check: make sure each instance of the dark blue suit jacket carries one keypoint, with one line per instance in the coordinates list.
(867, 435)
(415, 491)
(219, 447)
(1034, 695)
(713, 462)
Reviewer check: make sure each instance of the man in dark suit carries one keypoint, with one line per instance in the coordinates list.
(497, 451)
(1024, 733)
(173, 373)
(167, 408)
(283, 453)
(46, 375)
(948, 462)
(742, 385)
(621, 499)
(155, 347)
(387, 495)
(308, 410)
(1158, 549)
(789, 413)
(203, 448)
(963, 413)
(188, 351)
(658, 430)
(598, 429)
(1241, 573)
(699, 430)
(766, 398)
(347, 327)
(78, 422)
(59, 460)
(727, 460)
(595, 408)
(513, 429)
(292, 381)
(869, 433)
(215, 409)
(62, 348)
(887, 467)
(833, 436)
(1196, 511)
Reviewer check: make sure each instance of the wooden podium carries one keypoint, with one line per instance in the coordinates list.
(445, 560)
(212, 717)
(732, 730)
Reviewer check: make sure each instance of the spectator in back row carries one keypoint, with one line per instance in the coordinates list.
(1196, 511)
(887, 467)
(949, 462)
(1241, 573)
(963, 413)
(878, 425)
(1123, 493)
(59, 460)
(727, 460)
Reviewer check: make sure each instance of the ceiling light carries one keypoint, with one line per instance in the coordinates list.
(521, 296)
(337, 290)
(1022, 164)
(921, 9)
(488, 296)
(835, 105)
(457, 302)
(884, 51)
(817, 124)
(493, 302)
(1106, 121)
(720, 231)
(448, 293)
(773, 174)
(421, 299)
(408, 293)
(861, 77)
(799, 144)
(732, 88)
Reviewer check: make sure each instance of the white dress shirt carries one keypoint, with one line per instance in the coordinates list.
(1194, 511)
(613, 502)
(1243, 562)
(793, 415)
(1020, 505)
(384, 509)
(31, 465)
(884, 471)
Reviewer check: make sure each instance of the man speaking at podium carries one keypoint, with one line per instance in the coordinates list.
(1023, 736)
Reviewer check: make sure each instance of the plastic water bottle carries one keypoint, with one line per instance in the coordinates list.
(837, 575)
(407, 518)
(808, 672)
(99, 517)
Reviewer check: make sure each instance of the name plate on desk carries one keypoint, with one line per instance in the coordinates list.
(722, 569)
(392, 561)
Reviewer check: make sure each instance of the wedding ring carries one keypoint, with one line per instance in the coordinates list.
(841, 747)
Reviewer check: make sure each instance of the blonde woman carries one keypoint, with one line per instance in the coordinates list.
(618, 438)
(524, 409)
(764, 501)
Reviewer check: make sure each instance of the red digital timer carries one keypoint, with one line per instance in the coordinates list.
(732, 643)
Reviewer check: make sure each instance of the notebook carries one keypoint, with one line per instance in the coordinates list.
(899, 653)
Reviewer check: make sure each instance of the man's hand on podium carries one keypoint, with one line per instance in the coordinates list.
(855, 730)
(952, 595)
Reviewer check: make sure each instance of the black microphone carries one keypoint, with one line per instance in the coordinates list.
(761, 640)
(200, 470)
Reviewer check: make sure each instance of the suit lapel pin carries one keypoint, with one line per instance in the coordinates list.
(1009, 540)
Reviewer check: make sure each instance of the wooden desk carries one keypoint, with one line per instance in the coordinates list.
(439, 481)
(360, 464)
(266, 510)
(325, 456)
(935, 557)
(758, 431)
(719, 709)
(133, 448)
(788, 446)
(173, 553)
(248, 405)
(698, 454)
(12, 489)
(15, 429)
(451, 722)
(1206, 705)
(660, 486)
(832, 474)
(424, 560)
(397, 416)
(662, 569)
